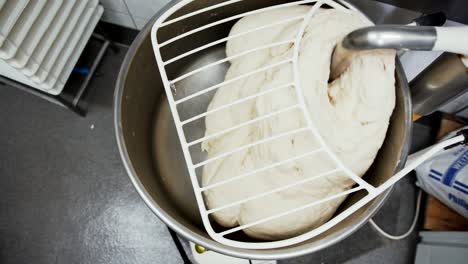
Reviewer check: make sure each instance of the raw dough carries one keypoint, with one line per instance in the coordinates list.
(351, 114)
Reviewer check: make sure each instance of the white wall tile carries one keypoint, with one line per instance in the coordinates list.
(122, 19)
(140, 22)
(131, 13)
(145, 8)
(114, 5)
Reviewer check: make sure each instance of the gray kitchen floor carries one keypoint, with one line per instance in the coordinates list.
(65, 197)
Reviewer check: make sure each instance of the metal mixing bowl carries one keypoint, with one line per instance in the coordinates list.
(153, 158)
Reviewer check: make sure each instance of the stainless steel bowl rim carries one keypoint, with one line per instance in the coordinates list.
(186, 232)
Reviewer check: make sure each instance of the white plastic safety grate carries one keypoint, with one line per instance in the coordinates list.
(188, 140)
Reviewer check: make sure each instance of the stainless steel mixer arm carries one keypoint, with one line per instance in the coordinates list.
(449, 39)
(391, 37)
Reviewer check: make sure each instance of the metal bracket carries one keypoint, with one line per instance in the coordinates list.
(68, 103)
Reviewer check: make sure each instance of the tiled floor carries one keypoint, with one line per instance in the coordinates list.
(64, 194)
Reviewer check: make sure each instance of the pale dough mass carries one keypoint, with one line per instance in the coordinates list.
(352, 115)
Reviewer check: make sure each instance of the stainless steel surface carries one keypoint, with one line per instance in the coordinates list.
(454, 9)
(445, 79)
(436, 19)
(152, 156)
(381, 13)
(391, 37)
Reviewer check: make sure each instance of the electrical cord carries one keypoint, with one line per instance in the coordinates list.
(410, 230)
(461, 138)
(179, 247)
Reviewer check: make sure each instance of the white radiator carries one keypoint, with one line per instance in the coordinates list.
(41, 40)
